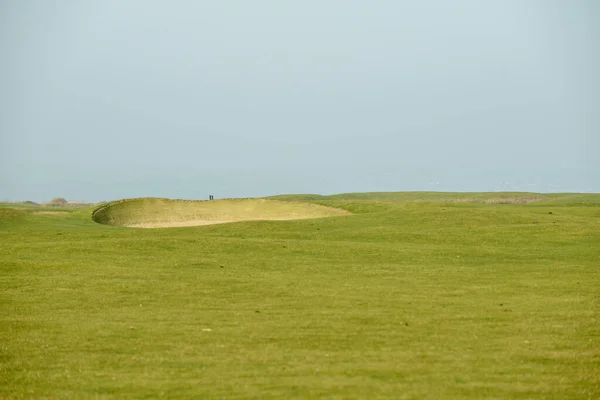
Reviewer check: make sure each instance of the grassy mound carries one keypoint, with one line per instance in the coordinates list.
(454, 197)
(160, 213)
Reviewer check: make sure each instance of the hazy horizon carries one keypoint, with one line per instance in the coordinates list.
(182, 99)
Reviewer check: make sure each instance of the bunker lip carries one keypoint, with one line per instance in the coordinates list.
(167, 213)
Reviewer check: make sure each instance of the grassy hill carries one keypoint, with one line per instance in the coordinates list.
(423, 296)
(474, 197)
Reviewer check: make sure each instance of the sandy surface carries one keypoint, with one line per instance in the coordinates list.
(201, 222)
(175, 224)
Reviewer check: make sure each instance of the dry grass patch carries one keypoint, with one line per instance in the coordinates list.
(500, 200)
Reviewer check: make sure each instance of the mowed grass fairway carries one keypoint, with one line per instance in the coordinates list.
(413, 295)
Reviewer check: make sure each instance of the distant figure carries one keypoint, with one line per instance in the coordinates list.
(211, 197)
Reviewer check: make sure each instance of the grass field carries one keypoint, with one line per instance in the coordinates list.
(412, 296)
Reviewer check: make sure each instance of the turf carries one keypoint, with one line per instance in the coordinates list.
(415, 296)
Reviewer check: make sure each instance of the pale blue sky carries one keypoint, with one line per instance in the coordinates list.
(109, 99)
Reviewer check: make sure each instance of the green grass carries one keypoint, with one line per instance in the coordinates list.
(402, 299)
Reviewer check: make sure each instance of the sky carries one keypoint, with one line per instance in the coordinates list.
(101, 100)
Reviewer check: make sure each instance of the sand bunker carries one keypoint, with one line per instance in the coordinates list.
(199, 222)
(175, 224)
(165, 213)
